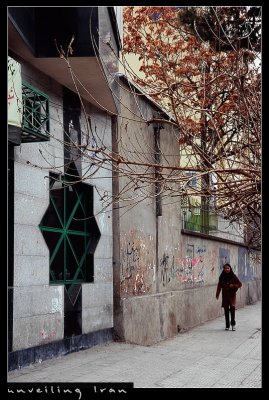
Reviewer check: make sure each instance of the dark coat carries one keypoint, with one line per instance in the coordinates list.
(228, 294)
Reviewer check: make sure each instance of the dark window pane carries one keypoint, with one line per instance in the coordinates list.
(71, 232)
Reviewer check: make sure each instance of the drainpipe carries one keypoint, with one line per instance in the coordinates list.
(10, 244)
(117, 306)
(157, 159)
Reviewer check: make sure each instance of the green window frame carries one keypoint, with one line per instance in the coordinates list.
(70, 231)
(36, 118)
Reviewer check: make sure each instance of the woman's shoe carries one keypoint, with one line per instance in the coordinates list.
(233, 328)
(226, 329)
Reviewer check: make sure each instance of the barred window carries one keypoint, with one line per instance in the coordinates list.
(35, 119)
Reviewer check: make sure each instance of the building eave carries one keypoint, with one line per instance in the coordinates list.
(141, 92)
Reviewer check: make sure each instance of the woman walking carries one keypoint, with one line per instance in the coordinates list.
(229, 284)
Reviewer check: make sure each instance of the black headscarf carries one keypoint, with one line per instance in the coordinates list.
(226, 276)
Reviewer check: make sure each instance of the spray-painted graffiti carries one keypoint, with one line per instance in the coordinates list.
(245, 270)
(137, 265)
(200, 249)
(224, 257)
(187, 276)
(168, 269)
(130, 261)
(193, 266)
(47, 336)
(189, 270)
(139, 286)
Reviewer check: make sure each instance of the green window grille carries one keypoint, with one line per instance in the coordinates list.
(71, 232)
(35, 120)
(198, 220)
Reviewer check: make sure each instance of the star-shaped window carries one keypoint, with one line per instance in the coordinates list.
(70, 231)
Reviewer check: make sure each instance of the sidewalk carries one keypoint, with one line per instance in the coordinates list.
(206, 356)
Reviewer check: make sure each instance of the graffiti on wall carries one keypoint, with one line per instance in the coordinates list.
(168, 269)
(46, 336)
(245, 270)
(131, 261)
(224, 257)
(137, 265)
(189, 270)
(193, 266)
(196, 267)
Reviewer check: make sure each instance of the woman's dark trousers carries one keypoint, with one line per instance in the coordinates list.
(229, 310)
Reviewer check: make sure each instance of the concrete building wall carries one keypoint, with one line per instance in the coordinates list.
(137, 220)
(188, 281)
(230, 231)
(97, 297)
(168, 279)
(38, 307)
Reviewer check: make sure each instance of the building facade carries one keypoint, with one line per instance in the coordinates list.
(166, 271)
(60, 293)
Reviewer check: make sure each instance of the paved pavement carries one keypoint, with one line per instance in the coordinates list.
(206, 356)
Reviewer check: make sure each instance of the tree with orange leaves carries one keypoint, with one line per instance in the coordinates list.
(213, 94)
